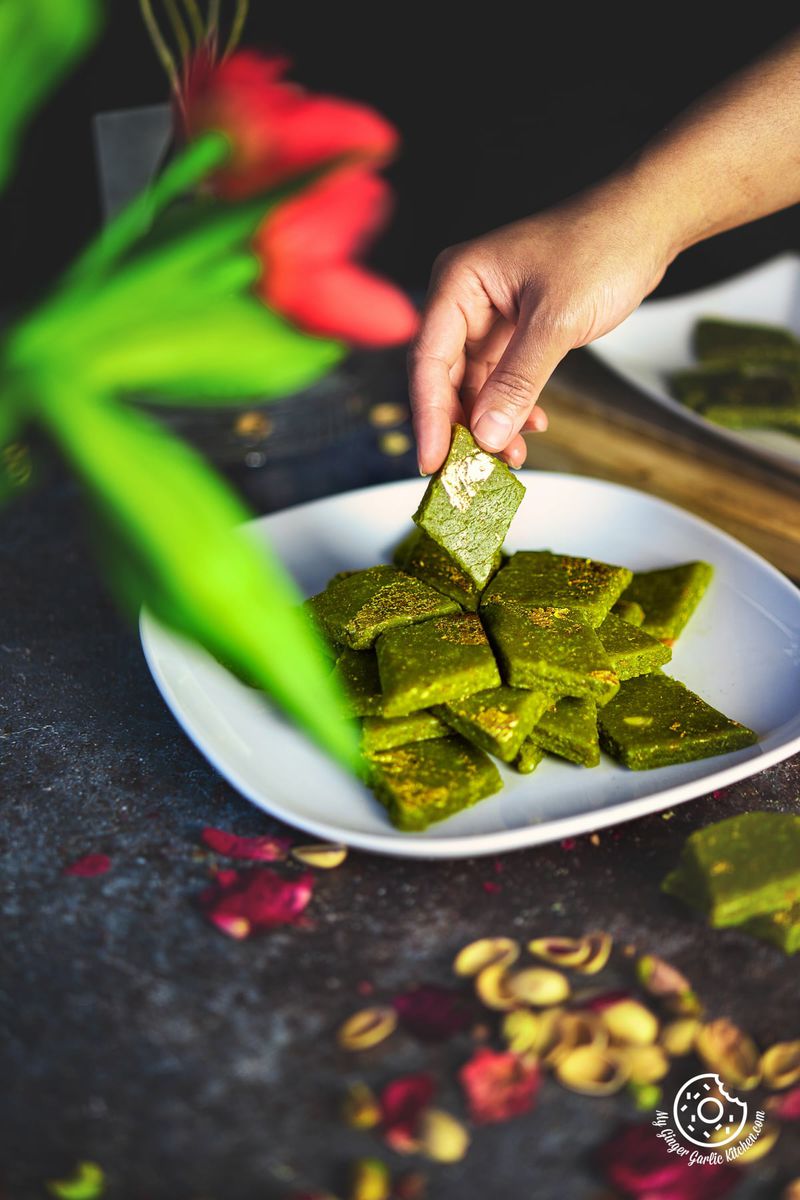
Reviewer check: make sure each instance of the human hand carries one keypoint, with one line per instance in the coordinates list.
(503, 310)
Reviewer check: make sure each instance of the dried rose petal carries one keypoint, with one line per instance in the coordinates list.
(238, 902)
(638, 1164)
(785, 1107)
(255, 849)
(498, 1086)
(89, 865)
(490, 887)
(434, 1013)
(402, 1103)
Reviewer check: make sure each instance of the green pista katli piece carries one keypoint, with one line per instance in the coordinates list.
(498, 720)
(744, 867)
(716, 340)
(541, 579)
(384, 733)
(469, 505)
(420, 555)
(569, 729)
(424, 782)
(356, 608)
(433, 662)
(669, 597)
(357, 671)
(655, 721)
(549, 649)
(630, 611)
(529, 757)
(781, 928)
(631, 650)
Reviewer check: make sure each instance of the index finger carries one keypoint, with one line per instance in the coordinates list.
(435, 353)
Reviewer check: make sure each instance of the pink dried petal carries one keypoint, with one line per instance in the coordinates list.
(491, 887)
(255, 849)
(434, 1013)
(568, 843)
(637, 1163)
(260, 897)
(89, 865)
(402, 1102)
(498, 1085)
(787, 1106)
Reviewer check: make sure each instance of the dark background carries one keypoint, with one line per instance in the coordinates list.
(502, 113)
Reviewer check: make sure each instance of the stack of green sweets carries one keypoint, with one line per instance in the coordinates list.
(456, 653)
(745, 871)
(748, 376)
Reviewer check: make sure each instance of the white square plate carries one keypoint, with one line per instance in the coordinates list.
(655, 340)
(741, 651)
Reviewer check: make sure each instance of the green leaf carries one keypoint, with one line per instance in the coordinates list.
(39, 40)
(175, 544)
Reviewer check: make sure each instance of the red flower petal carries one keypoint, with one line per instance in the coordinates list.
(240, 902)
(787, 1106)
(637, 1163)
(434, 1013)
(277, 129)
(88, 865)
(402, 1102)
(498, 1086)
(491, 887)
(257, 849)
(305, 247)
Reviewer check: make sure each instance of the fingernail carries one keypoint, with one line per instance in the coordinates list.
(494, 430)
(424, 474)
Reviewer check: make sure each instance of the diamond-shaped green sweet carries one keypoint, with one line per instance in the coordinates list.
(357, 672)
(631, 650)
(717, 340)
(655, 721)
(424, 782)
(549, 649)
(669, 596)
(743, 867)
(781, 928)
(384, 733)
(356, 608)
(420, 555)
(469, 505)
(541, 579)
(433, 662)
(498, 720)
(569, 729)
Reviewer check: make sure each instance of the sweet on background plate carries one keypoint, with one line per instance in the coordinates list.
(740, 651)
(655, 340)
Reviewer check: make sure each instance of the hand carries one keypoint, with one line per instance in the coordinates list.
(503, 311)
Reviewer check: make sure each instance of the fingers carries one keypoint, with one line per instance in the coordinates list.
(507, 400)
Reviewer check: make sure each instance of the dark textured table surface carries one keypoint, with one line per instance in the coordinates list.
(191, 1065)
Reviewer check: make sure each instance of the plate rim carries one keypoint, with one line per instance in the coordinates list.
(399, 844)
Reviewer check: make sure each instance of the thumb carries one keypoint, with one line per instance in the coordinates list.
(509, 395)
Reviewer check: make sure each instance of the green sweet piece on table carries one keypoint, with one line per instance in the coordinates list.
(743, 397)
(356, 608)
(569, 729)
(421, 556)
(782, 928)
(384, 733)
(669, 596)
(433, 662)
(529, 757)
(631, 650)
(744, 867)
(541, 579)
(424, 782)
(498, 720)
(468, 506)
(630, 611)
(655, 721)
(549, 649)
(357, 672)
(717, 340)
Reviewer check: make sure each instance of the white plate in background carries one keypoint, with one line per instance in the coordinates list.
(741, 651)
(655, 340)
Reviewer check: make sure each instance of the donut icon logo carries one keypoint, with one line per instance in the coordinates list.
(706, 1114)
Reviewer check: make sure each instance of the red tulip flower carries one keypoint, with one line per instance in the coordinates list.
(277, 129)
(306, 247)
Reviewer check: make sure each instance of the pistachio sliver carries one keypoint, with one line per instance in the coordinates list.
(324, 855)
(361, 1108)
(660, 978)
(592, 1071)
(630, 1023)
(780, 1065)
(561, 951)
(442, 1137)
(645, 1064)
(492, 987)
(539, 986)
(370, 1180)
(599, 953)
(767, 1137)
(367, 1028)
(730, 1053)
(677, 1037)
(485, 952)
